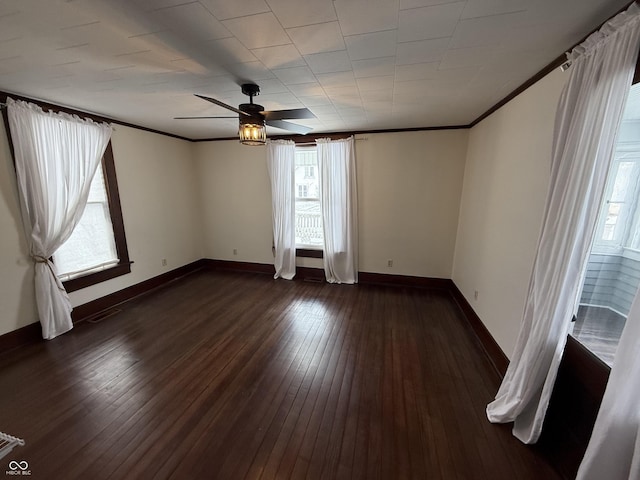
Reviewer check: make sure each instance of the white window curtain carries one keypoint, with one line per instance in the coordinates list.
(281, 159)
(339, 206)
(588, 118)
(56, 157)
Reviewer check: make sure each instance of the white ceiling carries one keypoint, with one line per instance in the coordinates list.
(357, 64)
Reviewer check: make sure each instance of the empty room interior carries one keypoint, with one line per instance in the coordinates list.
(409, 146)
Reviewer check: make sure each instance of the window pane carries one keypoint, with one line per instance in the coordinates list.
(92, 244)
(611, 220)
(308, 224)
(621, 184)
(308, 218)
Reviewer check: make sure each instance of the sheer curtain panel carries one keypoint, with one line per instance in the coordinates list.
(56, 157)
(339, 206)
(281, 159)
(587, 121)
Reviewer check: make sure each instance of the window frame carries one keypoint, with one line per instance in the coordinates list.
(628, 218)
(123, 266)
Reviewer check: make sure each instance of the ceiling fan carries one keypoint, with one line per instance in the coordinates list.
(253, 117)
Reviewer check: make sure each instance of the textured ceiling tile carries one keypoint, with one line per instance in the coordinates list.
(296, 13)
(365, 16)
(311, 89)
(282, 56)
(374, 67)
(8, 7)
(223, 9)
(483, 31)
(371, 45)
(315, 101)
(295, 75)
(49, 16)
(442, 86)
(230, 50)
(416, 71)
(151, 5)
(467, 57)
(258, 31)
(422, 51)
(251, 71)
(222, 84)
(343, 91)
(483, 8)
(192, 20)
(279, 101)
(429, 22)
(319, 38)
(123, 18)
(329, 62)
(378, 96)
(119, 58)
(324, 110)
(375, 83)
(272, 86)
(405, 4)
(339, 79)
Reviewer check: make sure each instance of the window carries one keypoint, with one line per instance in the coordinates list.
(303, 191)
(97, 249)
(613, 269)
(92, 244)
(308, 217)
(309, 171)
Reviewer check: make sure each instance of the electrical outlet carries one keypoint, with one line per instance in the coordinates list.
(235, 251)
(389, 263)
(475, 295)
(164, 262)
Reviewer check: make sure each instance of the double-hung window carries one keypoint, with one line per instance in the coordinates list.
(91, 246)
(308, 226)
(97, 249)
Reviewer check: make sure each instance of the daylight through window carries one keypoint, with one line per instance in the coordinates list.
(308, 216)
(613, 270)
(91, 247)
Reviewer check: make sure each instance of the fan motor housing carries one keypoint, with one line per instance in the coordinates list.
(250, 89)
(252, 109)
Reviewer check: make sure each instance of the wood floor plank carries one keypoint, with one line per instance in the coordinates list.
(225, 375)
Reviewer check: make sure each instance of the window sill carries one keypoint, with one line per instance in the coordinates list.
(94, 278)
(309, 253)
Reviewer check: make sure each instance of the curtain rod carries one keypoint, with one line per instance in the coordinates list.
(306, 144)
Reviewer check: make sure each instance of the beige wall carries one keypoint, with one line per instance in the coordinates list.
(505, 185)
(17, 300)
(160, 206)
(158, 192)
(236, 201)
(409, 187)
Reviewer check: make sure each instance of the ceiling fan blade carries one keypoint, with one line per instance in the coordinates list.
(294, 113)
(196, 118)
(224, 105)
(292, 127)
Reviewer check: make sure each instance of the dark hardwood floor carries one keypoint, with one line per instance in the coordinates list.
(235, 375)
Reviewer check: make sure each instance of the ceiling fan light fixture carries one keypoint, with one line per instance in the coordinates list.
(252, 133)
(253, 117)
